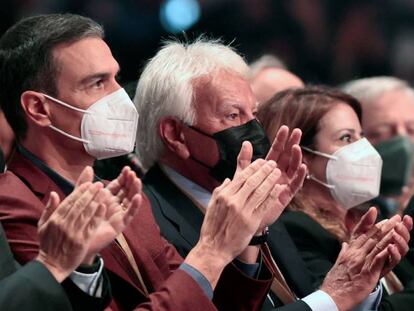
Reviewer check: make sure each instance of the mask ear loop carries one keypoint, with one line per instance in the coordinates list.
(311, 177)
(70, 107)
(325, 155)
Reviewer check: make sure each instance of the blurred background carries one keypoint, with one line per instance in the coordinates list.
(322, 41)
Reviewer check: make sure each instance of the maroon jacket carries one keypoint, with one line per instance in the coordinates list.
(24, 191)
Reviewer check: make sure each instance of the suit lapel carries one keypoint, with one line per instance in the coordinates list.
(36, 180)
(175, 205)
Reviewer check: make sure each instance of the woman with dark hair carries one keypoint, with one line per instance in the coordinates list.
(343, 172)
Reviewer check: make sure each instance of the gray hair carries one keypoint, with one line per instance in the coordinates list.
(368, 90)
(265, 61)
(165, 87)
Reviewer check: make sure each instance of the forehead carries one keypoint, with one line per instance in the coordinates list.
(84, 57)
(340, 116)
(393, 106)
(223, 88)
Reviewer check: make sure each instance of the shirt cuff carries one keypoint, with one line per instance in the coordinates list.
(199, 278)
(372, 301)
(320, 301)
(250, 270)
(90, 283)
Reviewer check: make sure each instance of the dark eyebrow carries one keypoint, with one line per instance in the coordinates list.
(97, 76)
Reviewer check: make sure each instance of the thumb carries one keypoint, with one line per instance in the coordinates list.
(85, 176)
(245, 157)
(366, 222)
(50, 207)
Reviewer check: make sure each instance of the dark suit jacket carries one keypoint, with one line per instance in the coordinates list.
(180, 222)
(23, 193)
(319, 250)
(21, 288)
(410, 211)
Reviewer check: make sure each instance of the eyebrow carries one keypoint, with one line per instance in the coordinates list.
(97, 76)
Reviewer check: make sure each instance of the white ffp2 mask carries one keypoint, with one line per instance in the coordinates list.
(108, 127)
(353, 173)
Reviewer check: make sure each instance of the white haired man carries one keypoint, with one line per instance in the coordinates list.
(196, 109)
(388, 122)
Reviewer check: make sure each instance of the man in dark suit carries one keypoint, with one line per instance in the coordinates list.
(196, 108)
(61, 97)
(36, 286)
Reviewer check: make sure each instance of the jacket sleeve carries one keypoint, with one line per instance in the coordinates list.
(19, 218)
(32, 287)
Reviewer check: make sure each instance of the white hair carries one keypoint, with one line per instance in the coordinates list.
(265, 61)
(368, 90)
(165, 87)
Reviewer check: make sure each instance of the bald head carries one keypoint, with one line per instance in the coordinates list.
(270, 81)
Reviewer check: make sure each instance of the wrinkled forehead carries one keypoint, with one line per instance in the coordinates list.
(222, 88)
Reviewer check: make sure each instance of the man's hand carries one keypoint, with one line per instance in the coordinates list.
(286, 152)
(234, 215)
(65, 230)
(122, 198)
(373, 250)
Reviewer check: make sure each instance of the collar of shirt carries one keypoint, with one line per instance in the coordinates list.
(198, 193)
(65, 185)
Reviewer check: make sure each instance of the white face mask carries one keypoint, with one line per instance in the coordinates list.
(353, 173)
(108, 127)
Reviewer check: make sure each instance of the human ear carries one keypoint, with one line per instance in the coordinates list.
(172, 134)
(35, 108)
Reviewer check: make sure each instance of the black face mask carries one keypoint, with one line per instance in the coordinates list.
(229, 142)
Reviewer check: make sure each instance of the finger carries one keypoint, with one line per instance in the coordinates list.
(295, 185)
(81, 205)
(402, 230)
(85, 176)
(132, 209)
(278, 144)
(262, 192)
(134, 186)
(272, 203)
(401, 243)
(245, 157)
(394, 257)
(289, 151)
(92, 220)
(254, 182)
(50, 207)
(378, 246)
(115, 185)
(295, 161)
(239, 180)
(379, 260)
(408, 222)
(68, 202)
(218, 190)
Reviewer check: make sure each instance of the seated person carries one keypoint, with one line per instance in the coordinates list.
(388, 123)
(194, 117)
(60, 95)
(343, 172)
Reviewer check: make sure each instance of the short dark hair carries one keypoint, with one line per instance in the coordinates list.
(26, 58)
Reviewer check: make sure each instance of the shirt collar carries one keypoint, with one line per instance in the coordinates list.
(198, 193)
